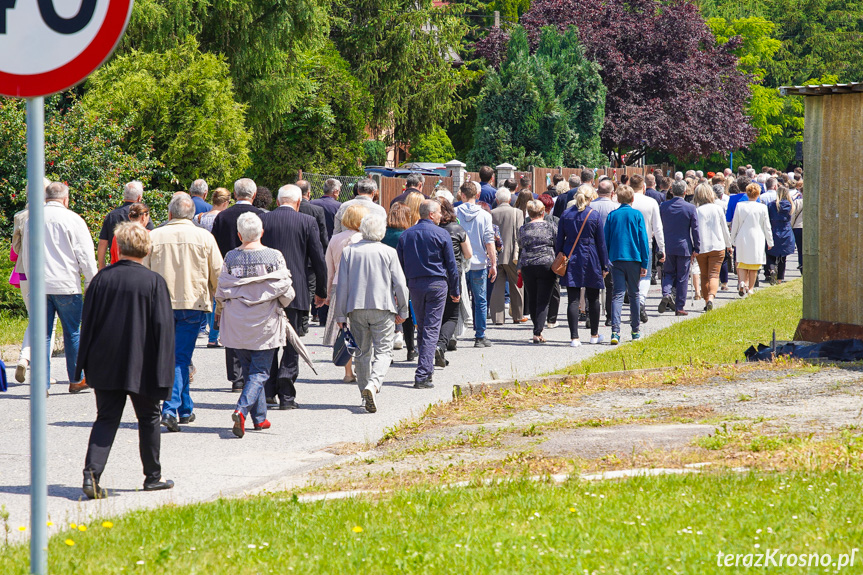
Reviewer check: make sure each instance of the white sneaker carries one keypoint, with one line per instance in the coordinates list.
(399, 342)
(575, 343)
(551, 325)
(597, 339)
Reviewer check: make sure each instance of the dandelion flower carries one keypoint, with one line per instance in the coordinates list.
(82, 528)
(107, 524)
(572, 509)
(357, 529)
(22, 528)
(70, 543)
(73, 526)
(50, 523)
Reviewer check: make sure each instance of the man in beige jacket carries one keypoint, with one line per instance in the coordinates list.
(188, 258)
(509, 220)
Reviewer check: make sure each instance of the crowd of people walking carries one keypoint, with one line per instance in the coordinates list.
(417, 274)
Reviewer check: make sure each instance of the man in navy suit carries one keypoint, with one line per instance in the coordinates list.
(225, 232)
(680, 224)
(330, 203)
(296, 235)
(487, 190)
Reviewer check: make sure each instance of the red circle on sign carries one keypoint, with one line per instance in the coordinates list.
(67, 75)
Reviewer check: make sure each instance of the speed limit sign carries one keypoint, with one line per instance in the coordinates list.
(47, 46)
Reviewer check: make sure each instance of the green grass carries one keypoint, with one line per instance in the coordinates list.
(12, 328)
(720, 336)
(673, 524)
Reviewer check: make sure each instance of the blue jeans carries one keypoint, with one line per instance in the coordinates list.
(187, 324)
(256, 371)
(626, 276)
(478, 287)
(68, 308)
(211, 320)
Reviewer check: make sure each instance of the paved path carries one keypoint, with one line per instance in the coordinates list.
(206, 460)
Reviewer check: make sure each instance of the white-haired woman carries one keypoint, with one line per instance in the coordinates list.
(254, 289)
(372, 293)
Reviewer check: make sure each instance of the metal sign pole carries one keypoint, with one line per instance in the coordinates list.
(38, 336)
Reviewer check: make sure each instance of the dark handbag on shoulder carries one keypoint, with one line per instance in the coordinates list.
(561, 262)
(345, 347)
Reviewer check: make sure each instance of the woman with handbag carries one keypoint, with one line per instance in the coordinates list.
(536, 240)
(351, 224)
(372, 293)
(581, 263)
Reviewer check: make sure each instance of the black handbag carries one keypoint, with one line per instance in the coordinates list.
(345, 347)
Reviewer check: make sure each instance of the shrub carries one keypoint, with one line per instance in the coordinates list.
(85, 151)
(182, 101)
(376, 152)
(433, 146)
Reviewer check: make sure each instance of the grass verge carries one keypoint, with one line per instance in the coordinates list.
(720, 336)
(643, 525)
(12, 328)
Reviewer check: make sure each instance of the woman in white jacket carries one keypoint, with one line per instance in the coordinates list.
(750, 231)
(715, 241)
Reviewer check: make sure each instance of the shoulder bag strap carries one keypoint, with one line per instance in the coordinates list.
(584, 223)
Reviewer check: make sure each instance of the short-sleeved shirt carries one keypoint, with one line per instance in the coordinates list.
(458, 236)
(116, 216)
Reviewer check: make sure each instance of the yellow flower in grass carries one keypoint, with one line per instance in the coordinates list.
(82, 528)
(22, 528)
(572, 509)
(50, 524)
(107, 524)
(70, 543)
(73, 526)
(357, 529)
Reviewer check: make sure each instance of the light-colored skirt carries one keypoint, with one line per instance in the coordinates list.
(331, 330)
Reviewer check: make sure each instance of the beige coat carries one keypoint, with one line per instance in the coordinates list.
(253, 309)
(189, 259)
(509, 220)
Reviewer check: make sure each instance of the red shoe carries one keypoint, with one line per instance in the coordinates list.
(239, 428)
(264, 425)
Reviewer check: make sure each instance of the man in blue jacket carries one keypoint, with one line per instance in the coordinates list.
(629, 252)
(426, 254)
(487, 190)
(680, 224)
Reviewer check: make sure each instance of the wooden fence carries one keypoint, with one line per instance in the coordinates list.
(392, 187)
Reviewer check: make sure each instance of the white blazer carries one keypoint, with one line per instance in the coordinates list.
(712, 228)
(750, 230)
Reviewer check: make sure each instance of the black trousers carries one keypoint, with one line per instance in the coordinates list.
(449, 321)
(285, 372)
(591, 296)
(109, 411)
(538, 286)
(233, 367)
(609, 293)
(776, 264)
(554, 302)
(409, 328)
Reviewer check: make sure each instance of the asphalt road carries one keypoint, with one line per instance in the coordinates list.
(207, 461)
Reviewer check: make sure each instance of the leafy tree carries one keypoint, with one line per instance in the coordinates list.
(510, 10)
(91, 153)
(433, 146)
(406, 52)
(376, 152)
(325, 131)
(545, 108)
(260, 39)
(673, 89)
(182, 101)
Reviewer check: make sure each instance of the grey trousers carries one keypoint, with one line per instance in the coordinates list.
(498, 295)
(374, 331)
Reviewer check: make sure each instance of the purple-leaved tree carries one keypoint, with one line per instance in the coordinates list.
(671, 88)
